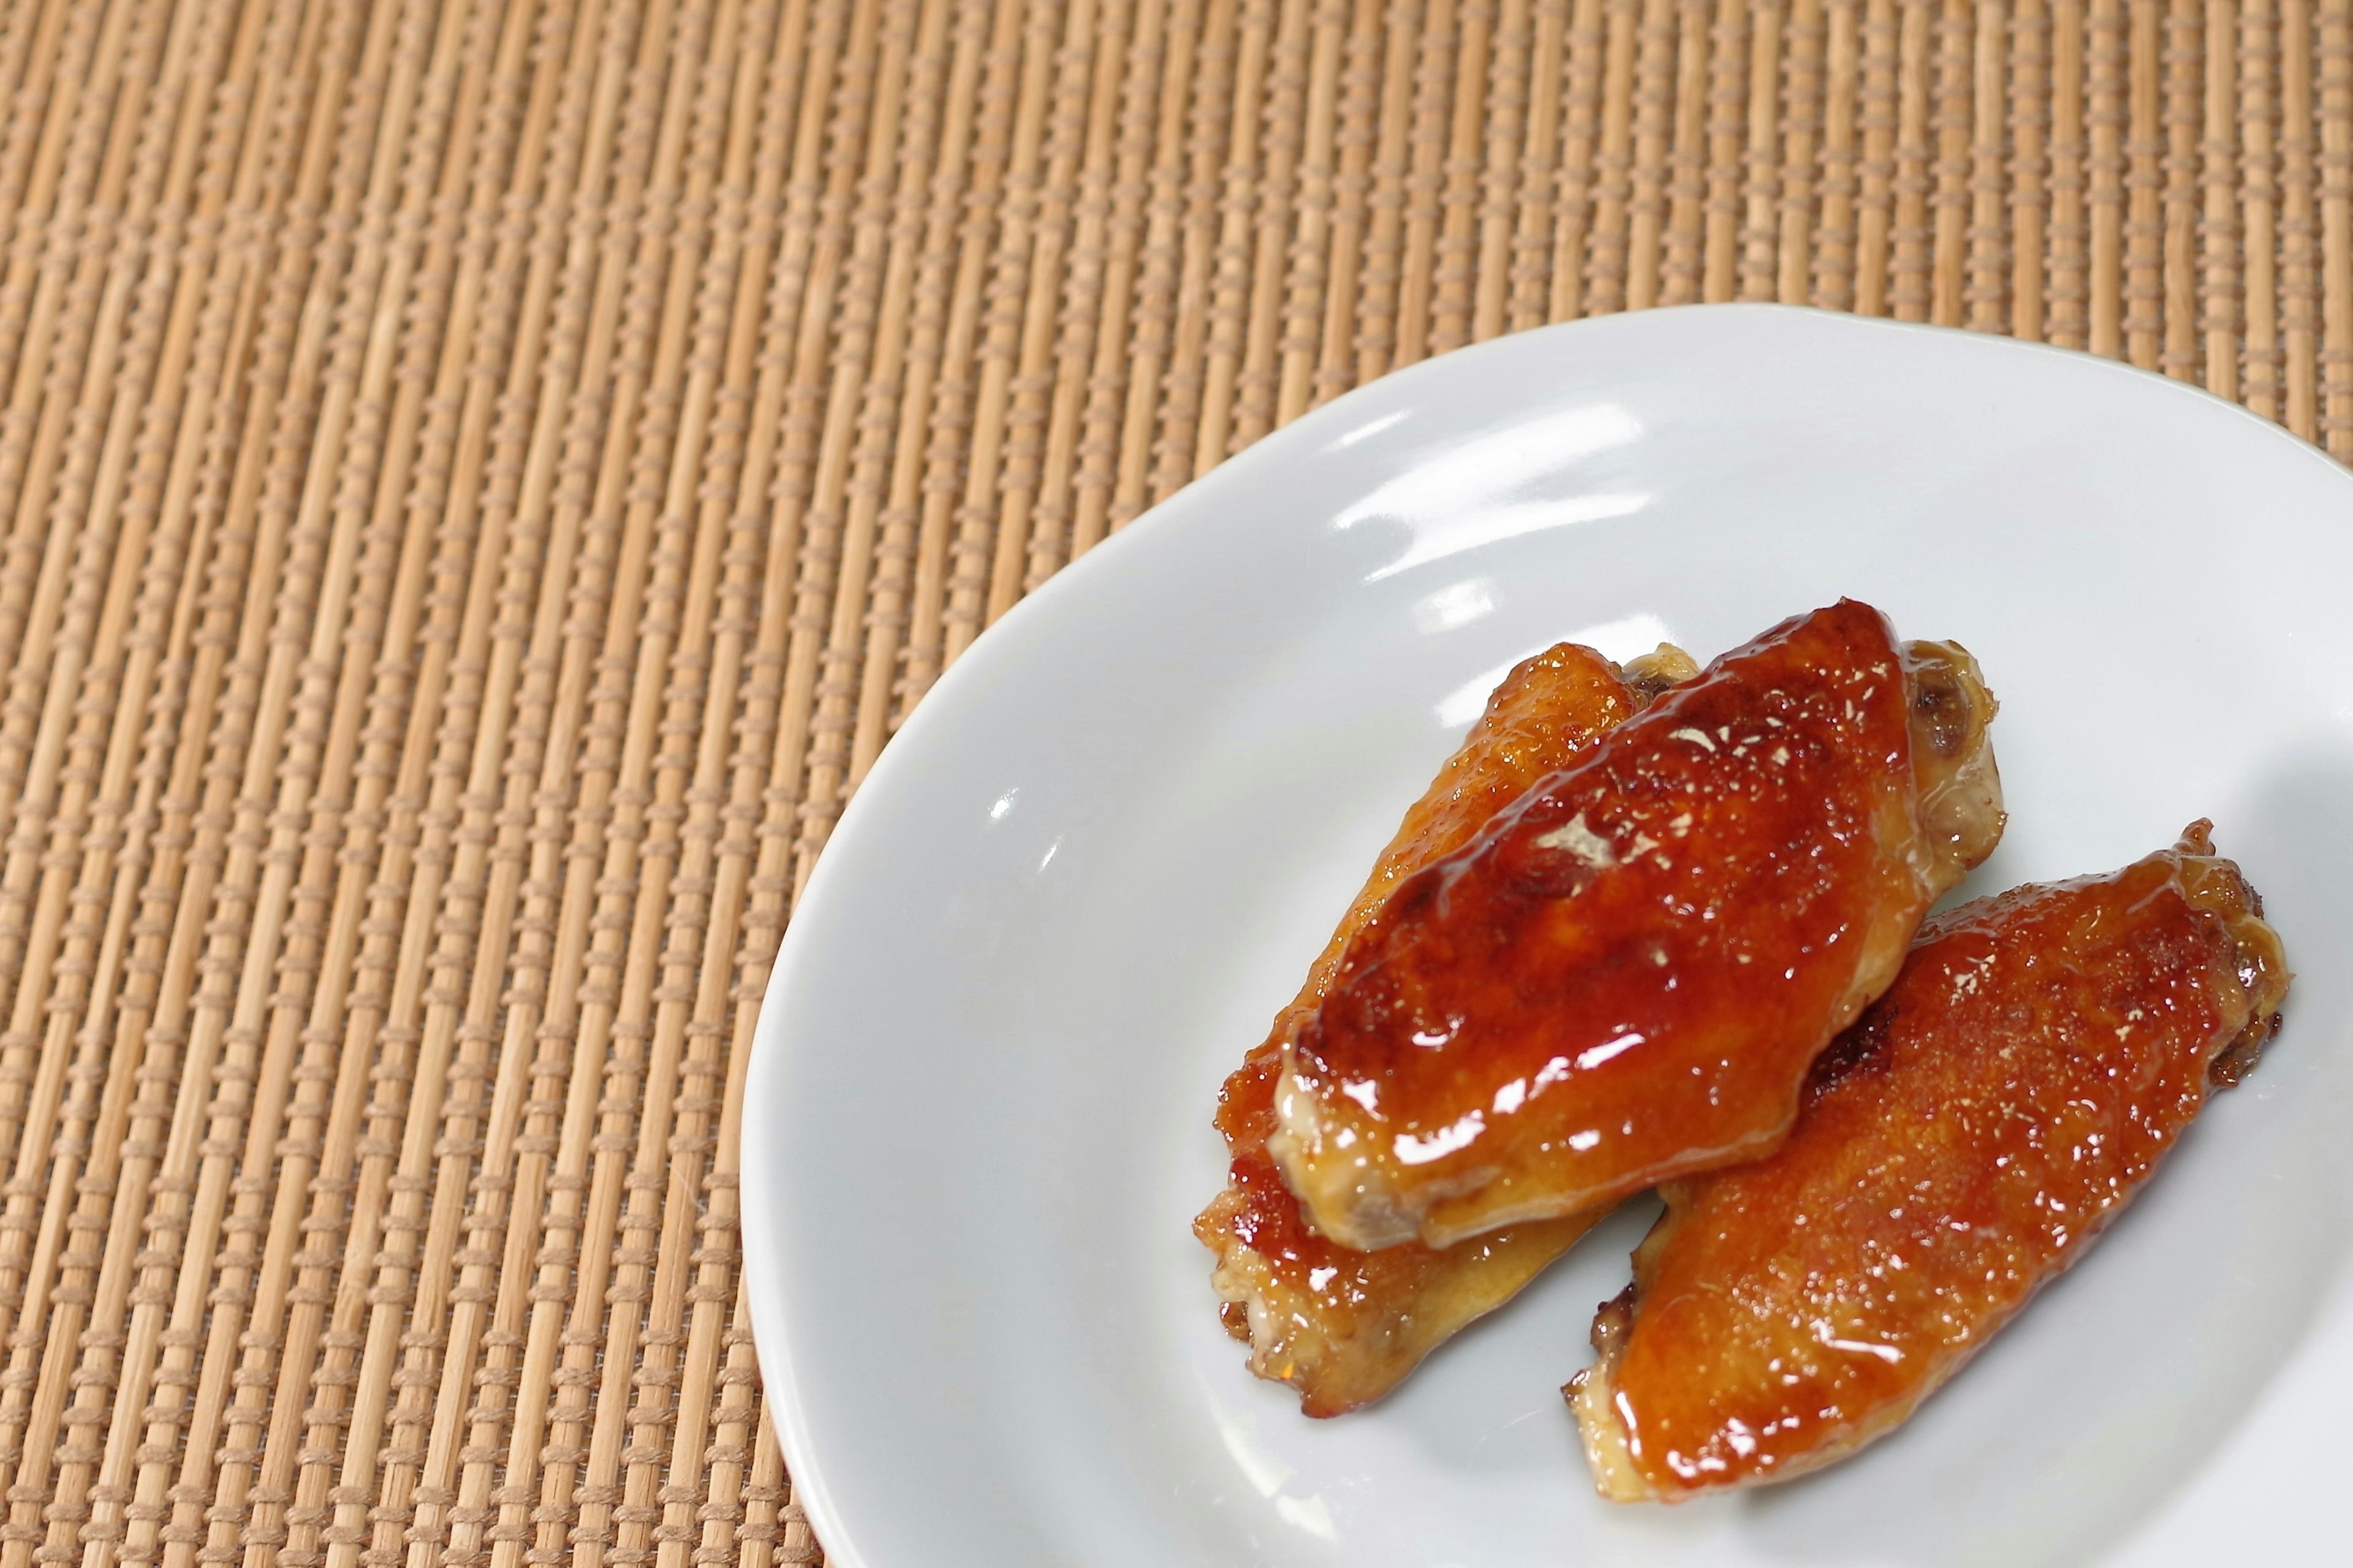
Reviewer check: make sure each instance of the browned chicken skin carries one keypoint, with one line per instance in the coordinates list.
(1625, 977)
(1342, 1326)
(1961, 1145)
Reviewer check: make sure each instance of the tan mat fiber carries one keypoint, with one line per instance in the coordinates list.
(479, 483)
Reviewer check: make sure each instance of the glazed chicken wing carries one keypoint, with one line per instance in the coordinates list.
(1962, 1144)
(1340, 1326)
(1625, 977)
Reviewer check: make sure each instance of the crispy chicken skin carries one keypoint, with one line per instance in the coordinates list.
(1342, 1327)
(1962, 1144)
(1624, 978)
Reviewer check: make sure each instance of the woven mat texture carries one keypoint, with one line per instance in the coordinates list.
(479, 483)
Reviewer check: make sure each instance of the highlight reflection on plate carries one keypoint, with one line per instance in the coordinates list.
(1103, 851)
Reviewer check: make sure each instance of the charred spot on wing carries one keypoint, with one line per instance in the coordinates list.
(1613, 1319)
(1236, 1319)
(2237, 1059)
(2234, 1061)
(1940, 710)
(1653, 675)
(1855, 1051)
(1648, 687)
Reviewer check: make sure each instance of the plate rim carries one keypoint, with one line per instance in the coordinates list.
(759, 1167)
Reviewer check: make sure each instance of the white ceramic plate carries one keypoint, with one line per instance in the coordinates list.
(1078, 884)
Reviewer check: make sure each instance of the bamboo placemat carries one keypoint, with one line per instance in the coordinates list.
(479, 483)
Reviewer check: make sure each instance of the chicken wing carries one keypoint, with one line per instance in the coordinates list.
(1625, 977)
(1959, 1146)
(1340, 1326)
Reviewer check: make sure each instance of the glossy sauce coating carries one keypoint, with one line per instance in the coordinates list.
(1626, 976)
(2039, 1054)
(1344, 1326)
